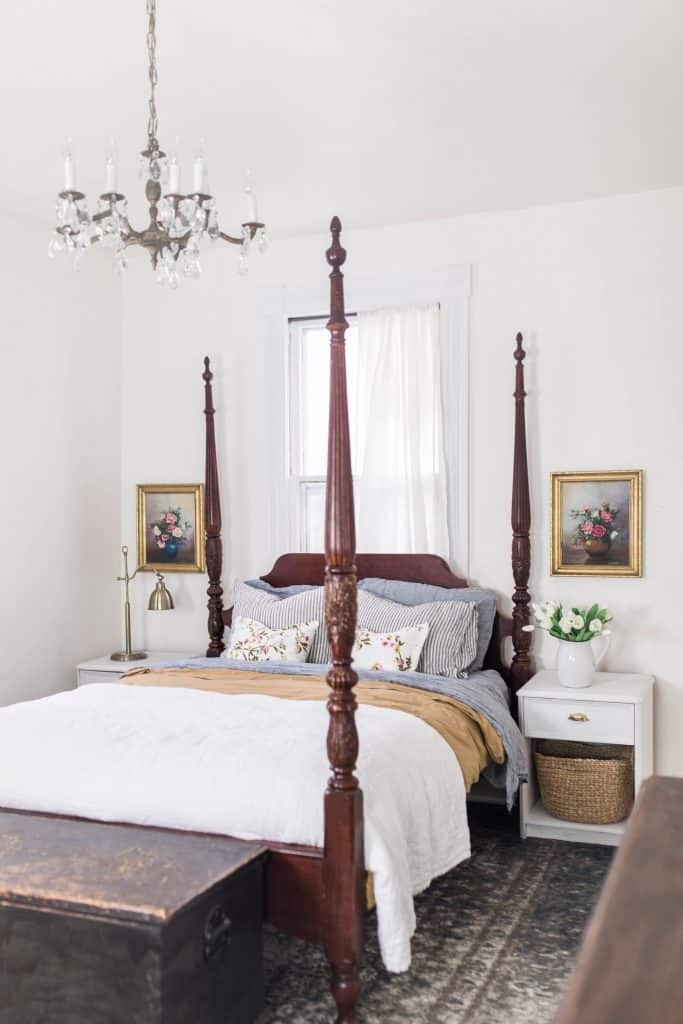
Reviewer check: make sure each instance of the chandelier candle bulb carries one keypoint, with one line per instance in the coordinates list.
(69, 173)
(252, 210)
(199, 170)
(110, 174)
(174, 177)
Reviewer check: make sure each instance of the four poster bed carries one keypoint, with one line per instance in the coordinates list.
(320, 894)
(159, 752)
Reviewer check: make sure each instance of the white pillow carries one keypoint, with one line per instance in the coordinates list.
(282, 612)
(390, 652)
(252, 641)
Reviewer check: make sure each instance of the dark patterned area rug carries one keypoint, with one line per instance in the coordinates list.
(495, 942)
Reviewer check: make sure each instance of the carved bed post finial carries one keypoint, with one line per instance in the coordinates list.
(522, 667)
(212, 516)
(344, 871)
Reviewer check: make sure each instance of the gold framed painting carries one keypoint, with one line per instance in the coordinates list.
(597, 524)
(170, 531)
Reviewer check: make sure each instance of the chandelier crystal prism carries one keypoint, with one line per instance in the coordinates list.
(178, 223)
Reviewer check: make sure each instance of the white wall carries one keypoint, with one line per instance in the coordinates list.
(595, 286)
(59, 463)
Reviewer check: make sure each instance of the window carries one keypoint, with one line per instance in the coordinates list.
(390, 466)
(309, 371)
(396, 421)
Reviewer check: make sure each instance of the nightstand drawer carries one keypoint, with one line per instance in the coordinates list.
(589, 721)
(89, 675)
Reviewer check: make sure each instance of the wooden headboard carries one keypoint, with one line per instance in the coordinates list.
(309, 569)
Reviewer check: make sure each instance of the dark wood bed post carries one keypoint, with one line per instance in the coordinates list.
(343, 869)
(212, 517)
(521, 668)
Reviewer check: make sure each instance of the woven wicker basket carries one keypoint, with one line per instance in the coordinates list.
(585, 782)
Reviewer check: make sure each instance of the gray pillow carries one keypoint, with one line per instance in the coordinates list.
(291, 591)
(280, 612)
(423, 593)
(451, 645)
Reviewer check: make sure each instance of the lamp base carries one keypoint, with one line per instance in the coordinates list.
(125, 656)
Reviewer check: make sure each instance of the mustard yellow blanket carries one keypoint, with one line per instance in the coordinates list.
(468, 733)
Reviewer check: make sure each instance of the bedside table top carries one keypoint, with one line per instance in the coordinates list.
(607, 686)
(105, 663)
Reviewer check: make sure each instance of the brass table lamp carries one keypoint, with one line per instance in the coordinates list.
(160, 601)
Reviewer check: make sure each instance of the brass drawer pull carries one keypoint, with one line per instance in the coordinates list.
(579, 716)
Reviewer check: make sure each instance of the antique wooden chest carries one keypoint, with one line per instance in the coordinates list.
(113, 924)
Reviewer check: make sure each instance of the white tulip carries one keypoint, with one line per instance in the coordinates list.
(595, 626)
(547, 624)
(566, 624)
(578, 622)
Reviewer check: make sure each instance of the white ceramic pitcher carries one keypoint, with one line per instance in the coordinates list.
(576, 662)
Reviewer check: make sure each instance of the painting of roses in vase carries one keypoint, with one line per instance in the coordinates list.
(596, 530)
(171, 527)
(597, 524)
(170, 532)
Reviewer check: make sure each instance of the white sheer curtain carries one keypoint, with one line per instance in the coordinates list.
(397, 434)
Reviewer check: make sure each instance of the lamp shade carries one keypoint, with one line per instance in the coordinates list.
(160, 599)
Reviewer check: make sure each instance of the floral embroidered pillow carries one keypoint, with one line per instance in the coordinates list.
(398, 651)
(252, 641)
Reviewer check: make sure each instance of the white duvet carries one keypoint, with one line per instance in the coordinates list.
(247, 766)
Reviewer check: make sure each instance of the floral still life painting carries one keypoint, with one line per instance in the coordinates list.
(597, 524)
(170, 527)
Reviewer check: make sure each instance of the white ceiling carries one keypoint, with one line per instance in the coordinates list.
(381, 111)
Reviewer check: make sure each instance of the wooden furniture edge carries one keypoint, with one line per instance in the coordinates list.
(628, 967)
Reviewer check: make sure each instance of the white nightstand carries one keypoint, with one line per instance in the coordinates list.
(617, 708)
(104, 670)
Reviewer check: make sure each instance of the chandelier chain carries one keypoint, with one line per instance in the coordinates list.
(152, 124)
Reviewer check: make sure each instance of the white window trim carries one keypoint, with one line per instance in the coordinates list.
(450, 287)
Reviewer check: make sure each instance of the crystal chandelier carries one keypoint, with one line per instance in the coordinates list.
(177, 222)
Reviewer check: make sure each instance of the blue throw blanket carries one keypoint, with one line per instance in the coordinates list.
(484, 692)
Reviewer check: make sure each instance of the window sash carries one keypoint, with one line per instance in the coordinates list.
(307, 469)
